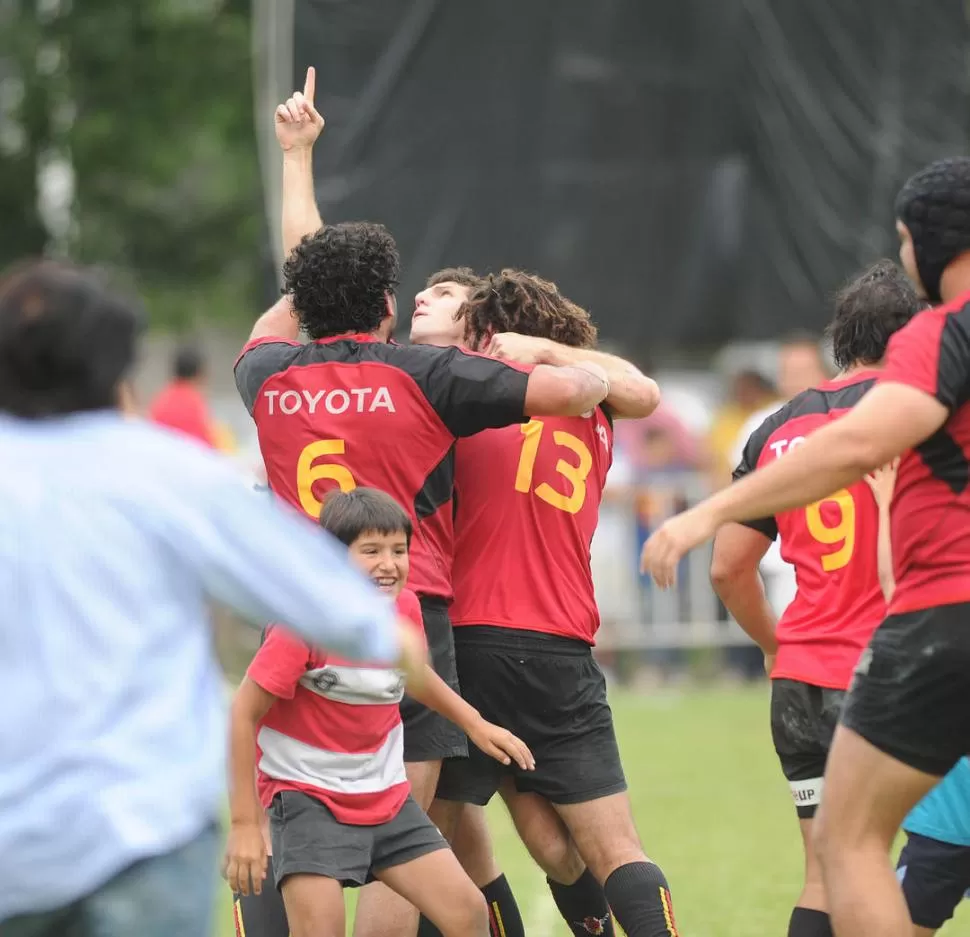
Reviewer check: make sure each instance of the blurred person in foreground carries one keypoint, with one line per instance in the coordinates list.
(906, 721)
(317, 743)
(181, 404)
(115, 536)
(525, 616)
(811, 649)
(350, 408)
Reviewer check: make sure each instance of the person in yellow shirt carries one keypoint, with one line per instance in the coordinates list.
(751, 391)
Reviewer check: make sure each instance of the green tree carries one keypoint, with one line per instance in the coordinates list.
(151, 103)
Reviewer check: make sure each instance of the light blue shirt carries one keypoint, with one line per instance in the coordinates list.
(944, 813)
(113, 536)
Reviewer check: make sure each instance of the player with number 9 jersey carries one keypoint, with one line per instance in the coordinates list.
(839, 602)
(831, 544)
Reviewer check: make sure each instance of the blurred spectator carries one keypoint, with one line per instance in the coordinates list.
(800, 365)
(613, 557)
(112, 740)
(181, 405)
(750, 393)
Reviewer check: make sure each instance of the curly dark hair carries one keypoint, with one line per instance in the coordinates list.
(340, 276)
(463, 276)
(869, 309)
(514, 301)
(67, 340)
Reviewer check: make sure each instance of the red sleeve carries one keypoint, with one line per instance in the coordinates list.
(279, 663)
(913, 356)
(409, 607)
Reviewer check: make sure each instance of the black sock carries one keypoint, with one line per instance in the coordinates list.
(583, 906)
(261, 915)
(504, 918)
(807, 922)
(427, 929)
(640, 898)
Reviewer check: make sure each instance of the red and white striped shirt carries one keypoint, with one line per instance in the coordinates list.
(335, 731)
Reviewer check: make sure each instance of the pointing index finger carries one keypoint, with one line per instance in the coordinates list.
(310, 85)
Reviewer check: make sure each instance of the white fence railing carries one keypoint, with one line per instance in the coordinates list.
(636, 614)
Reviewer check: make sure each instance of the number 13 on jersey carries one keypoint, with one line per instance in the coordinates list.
(575, 475)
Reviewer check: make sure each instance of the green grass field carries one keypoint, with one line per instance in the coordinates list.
(711, 806)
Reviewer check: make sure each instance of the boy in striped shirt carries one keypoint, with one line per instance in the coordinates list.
(323, 739)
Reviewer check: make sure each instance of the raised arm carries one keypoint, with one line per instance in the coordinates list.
(279, 321)
(298, 124)
(632, 394)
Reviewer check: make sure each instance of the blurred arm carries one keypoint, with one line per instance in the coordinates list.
(271, 564)
(738, 552)
(884, 553)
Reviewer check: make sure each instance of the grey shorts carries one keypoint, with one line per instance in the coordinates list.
(308, 838)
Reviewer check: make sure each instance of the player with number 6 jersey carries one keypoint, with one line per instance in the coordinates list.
(832, 544)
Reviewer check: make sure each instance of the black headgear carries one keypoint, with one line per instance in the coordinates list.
(935, 207)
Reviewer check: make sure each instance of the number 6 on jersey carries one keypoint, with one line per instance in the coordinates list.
(308, 473)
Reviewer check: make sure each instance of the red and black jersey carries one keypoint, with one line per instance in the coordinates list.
(527, 502)
(832, 544)
(355, 411)
(931, 504)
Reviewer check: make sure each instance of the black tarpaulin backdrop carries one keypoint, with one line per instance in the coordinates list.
(691, 172)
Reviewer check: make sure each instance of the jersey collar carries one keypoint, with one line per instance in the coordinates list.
(359, 337)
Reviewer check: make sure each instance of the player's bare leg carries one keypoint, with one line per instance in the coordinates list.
(810, 915)
(436, 884)
(579, 897)
(867, 796)
(466, 828)
(314, 906)
(636, 888)
(380, 911)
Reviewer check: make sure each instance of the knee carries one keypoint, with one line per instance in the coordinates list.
(566, 866)
(604, 857)
(468, 914)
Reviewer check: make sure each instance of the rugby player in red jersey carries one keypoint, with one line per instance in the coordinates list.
(906, 720)
(815, 645)
(525, 616)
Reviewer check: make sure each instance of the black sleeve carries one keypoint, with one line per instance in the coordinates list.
(953, 377)
(469, 392)
(259, 363)
(749, 462)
